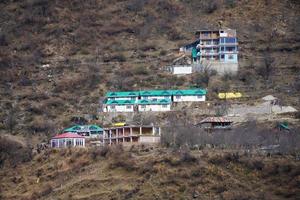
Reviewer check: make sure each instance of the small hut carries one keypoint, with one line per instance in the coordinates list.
(216, 123)
(67, 140)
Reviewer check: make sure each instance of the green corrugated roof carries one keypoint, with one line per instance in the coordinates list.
(156, 93)
(195, 91)
(189, 92)
(120, 102)
(156, 102)
(77, 128)
(122, 94)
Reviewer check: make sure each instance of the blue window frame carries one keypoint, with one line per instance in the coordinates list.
(230, 40)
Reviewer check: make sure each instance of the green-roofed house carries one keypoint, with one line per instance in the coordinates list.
(189, 95)
(129, 95)
(119, 106)
(155, 94)
(90, 131)
(154, 105)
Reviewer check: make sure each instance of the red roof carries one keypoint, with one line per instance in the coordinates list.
(67, 135)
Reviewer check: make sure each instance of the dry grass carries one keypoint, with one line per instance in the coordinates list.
(109, 173)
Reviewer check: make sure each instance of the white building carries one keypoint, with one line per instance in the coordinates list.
(119, 106)
(129, 95)
(154, 105)
(189, 95)
(155, 95)
(181, 69)
(67, 140)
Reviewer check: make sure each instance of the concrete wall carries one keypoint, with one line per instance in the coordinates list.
(221, 67)
(182, 70)
(188, 98)
(118, 108)
(149, 139)
(143, 108)
(155, 97)
(123, 98)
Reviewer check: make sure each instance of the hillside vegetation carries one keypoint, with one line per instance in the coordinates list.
(151, 173)
(57, 58)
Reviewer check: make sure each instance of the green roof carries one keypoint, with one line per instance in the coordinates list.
(120, 102)
(196, 91)
(156, 93)
(78, 128)
(122, 94)
(189, 92)
(157, 102)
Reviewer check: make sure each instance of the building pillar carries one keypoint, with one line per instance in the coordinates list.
(131, 134)
(109, 136)
(140, 130)
(74, 142)
(153, 130)
(123, 129)
(159, 133)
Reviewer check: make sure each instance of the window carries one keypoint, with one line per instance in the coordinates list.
(143, 106)
(128, 107)
(230, 49)
(230, 40)
(199, 97)
(222, 56)
(112, 98)
(230, 57)
(164, 105)
(132, 98)
(178, 97)
(112, 106)
(222, 48)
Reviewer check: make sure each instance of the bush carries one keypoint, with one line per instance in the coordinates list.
(13, 153)
(187, 157)
(140, 70)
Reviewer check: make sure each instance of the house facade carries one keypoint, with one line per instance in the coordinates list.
(152, 100)
(129, 95)
(211, 123)
(132, 134)
(214, 49)
(154, 105)
(189, 95)
(155, 94)
(119, 106)
(67, 140)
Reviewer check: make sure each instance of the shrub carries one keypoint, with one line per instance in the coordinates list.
(187, 157)
(125, 162)
(47, 189)
(163, 53)
(3, 40)
(140, 70)
(13, 153)
(119, 58)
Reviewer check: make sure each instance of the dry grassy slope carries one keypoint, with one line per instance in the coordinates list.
(96, 45)
(142, 173)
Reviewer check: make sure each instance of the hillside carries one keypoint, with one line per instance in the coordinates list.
(57, 58)
(151, 173)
